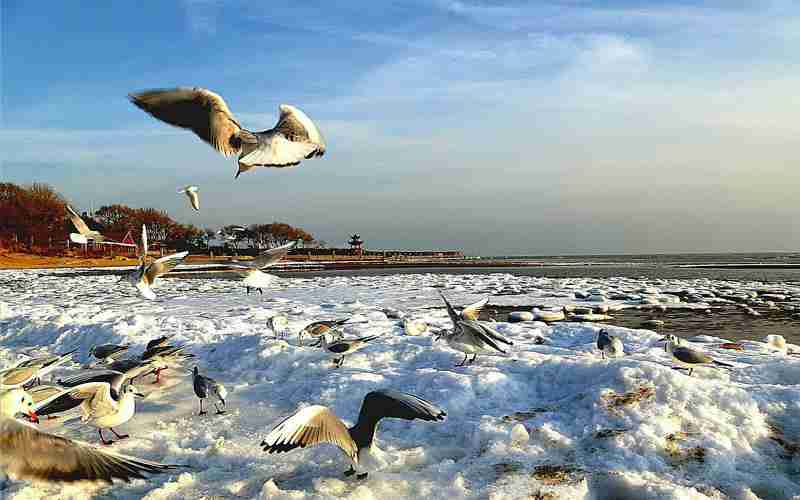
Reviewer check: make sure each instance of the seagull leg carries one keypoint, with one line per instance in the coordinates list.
(115, 433)
(465, 360)
(475, 355)
(102, 439)
(261, 291)
(248, 290)
(158, 375)
(349, 472)
(219, 412)
(690, 371)
(201, 408)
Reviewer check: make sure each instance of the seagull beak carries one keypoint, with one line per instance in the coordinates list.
(33, 416)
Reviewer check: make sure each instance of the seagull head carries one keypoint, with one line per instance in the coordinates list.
(18, 401)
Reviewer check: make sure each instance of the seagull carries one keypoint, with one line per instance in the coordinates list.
(469, 336)
(29, 454)
(341, 348)
(62, 401)
(165, 356)
(317, 424)
(203, 386)
(609, 344)
(687, 357)
(254, 278)
(158, 342)
(108, 353)
(30, 370)
(144, 277)
(294, 138)
(84, 233)
(191, 192)
(472, 311)
(319, 328)
(278, 324)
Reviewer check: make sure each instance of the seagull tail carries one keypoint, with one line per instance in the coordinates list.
(720, 363)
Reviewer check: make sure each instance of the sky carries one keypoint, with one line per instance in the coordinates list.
(494, 127)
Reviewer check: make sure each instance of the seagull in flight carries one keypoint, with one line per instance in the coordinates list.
(317, 424)
(191, 193)
(144, 277)
(251, 269)
(84, 234)
(294, 138)
(27, 453)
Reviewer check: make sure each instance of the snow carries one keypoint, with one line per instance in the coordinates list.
(551, 416)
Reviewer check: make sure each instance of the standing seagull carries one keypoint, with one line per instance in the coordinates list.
(278, 324)
(84, 233)
(319, 328)
(254, 278)
(293, 138)
(191, 192)
(203, 386)
(687, 357)
(317, 424)
(608, 344)
(144, 277)
(29, 454)
(108, 353)
(31, 370)
(341, 348)
(469, 336)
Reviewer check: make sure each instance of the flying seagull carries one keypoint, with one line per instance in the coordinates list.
(608, 344)
(253, 276)
(205, 386)
(687, 357)
(84, 233)
(144, 277)
(29, 454)
(340, 348)
(472, 311)
(469, 336)
(191, 193)
(317, 424)
(294, 138)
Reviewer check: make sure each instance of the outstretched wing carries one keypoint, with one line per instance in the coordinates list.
(387, 403)
(296, 126)
(452, 312)
(472, 311)
(307, 427)
(144, 242)
(275, 150)
(163, 266)
(478, 335)
(272, 256)
(27, 453)
(200, 110)
(77, 221)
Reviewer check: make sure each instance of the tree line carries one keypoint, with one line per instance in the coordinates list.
(37, 213)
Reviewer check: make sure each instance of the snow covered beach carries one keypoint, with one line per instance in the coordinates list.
(549, 418)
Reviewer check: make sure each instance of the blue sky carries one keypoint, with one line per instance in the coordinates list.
(496, 127)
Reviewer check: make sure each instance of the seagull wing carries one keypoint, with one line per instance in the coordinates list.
(200, 110)
(77, 221)
(472, 311)
(691, 356)
(194, 199)
(18, 376)
(387, 403)
(163, 266)
(477, 336)
(274, 150)
(159, 342)
(272, 256)
(454, 317)
(27, 453)
(106, 376)
(144, 241)
(296, 126)
(307, 427)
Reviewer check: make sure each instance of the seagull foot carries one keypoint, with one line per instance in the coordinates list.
(349, 472)
(361, 477)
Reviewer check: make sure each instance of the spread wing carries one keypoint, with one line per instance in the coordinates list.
(450, 311)
(96, 397)
(77, 221)
(18, 376)
(387, 403)
(272, 256)
(27, 453)
(296, 126)
(202, 111)
(472, 311)
(163, 266)
(307, 427)
(275, 150)
(144, 242)
(43, 392)
(478, 335)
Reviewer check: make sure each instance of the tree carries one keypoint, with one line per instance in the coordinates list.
(35, 211)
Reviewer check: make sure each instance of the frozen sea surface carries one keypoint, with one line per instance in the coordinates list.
(548, 418)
